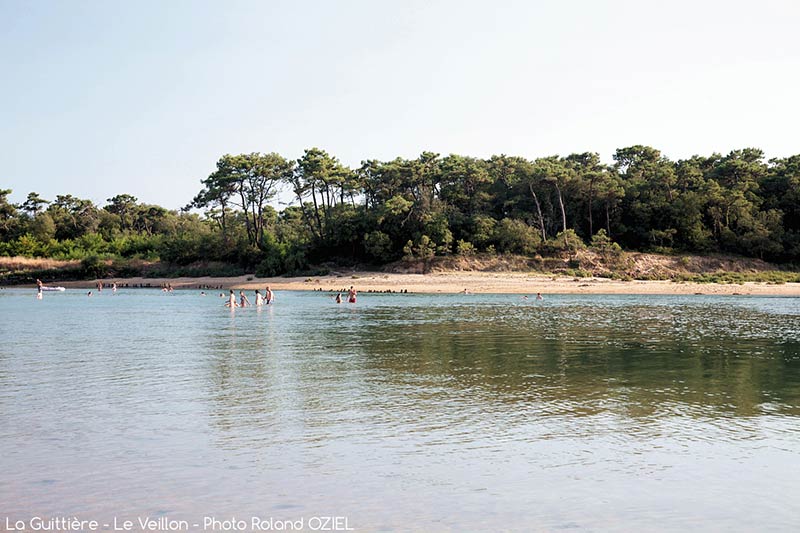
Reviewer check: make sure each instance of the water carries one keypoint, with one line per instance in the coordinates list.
(404, 412)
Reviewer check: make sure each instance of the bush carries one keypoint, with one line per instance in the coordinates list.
(378, 245)
(425, 248)
(464, 248)
(93, 267)
(482, 230)
(272, 264)
(610, 251)
(515, 236)
(408, 251)
(566, 241)
(27, 246)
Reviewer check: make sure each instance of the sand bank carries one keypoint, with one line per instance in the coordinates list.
(454, 282)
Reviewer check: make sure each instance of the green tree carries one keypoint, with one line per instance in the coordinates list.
(7, 214)
(73, 217)
(378, 245)
(649, 181)
(425, 249)
(246, 181)
(324, 181)
(33, 204)
(125, 207)
(43, 228)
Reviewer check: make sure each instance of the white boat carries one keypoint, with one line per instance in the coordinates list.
(53, 289)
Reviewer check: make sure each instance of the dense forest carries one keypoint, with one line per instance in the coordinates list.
(386, 211)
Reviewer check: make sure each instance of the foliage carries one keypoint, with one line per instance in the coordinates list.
(515, 236)
(378, 245)
(603, 245)
(465, 248)
(565, 241)
(426, 206)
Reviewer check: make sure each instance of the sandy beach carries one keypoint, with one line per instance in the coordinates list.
(454, 282)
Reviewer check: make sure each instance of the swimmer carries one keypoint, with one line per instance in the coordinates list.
(539, 296)
(231, 300)
(89, 293)
(202, 293)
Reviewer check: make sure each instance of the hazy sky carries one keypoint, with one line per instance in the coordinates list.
(108, 97)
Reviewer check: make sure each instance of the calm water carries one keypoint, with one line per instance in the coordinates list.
(404, 412)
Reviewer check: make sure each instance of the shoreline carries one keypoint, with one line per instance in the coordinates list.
(450, 283)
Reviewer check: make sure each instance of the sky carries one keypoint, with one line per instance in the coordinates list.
(143, 97)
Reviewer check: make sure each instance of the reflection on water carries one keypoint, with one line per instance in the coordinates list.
(405, 412)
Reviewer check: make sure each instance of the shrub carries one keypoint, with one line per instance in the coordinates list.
(464, 248)
(378, 245)
(408, 251)
(566, 241)
(93, 267)
(515, 236)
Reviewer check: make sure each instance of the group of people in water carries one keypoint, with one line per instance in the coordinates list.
(40, 288)
(99, 286)
(351, 296)
(269, 297)
(266, 299)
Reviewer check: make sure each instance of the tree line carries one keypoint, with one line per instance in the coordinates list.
(385, 211)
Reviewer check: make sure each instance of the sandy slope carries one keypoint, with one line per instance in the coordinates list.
(453, 282)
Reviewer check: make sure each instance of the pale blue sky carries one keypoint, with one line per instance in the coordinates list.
(108, 97)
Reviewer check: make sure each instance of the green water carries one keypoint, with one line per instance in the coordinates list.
(404, 412)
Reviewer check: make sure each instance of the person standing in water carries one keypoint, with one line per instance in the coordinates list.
(259, 299)
(269, 296)
(339, 298)
(99, 286)
(539, 296)
(114, 287)
(243, 301)
(351, 295)
(231, 300)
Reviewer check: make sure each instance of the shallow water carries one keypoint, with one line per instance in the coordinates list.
(404, 412)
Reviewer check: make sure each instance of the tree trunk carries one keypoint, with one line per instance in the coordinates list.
(260, 219)
(248, 226)
(563, 213)
(224, 204)
(538, 212)
(591, 197)
(316, 209)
